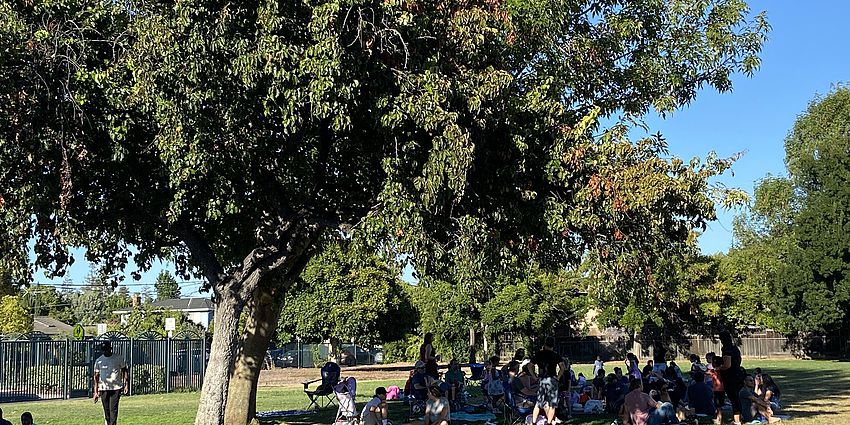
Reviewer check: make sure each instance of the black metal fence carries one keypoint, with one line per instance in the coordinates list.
(34, 367)
(298, 354)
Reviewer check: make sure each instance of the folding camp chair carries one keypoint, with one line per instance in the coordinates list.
(322, 396)
(415, 401)
(476, 374)
(514, 414)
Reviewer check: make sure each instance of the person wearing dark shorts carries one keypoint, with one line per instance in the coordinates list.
(549, 369)
(731, 373)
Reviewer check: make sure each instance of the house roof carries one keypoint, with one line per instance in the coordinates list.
(181, 304)
(51, 326)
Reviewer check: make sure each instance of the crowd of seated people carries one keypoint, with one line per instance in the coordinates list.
(660, 393)
(700, 392)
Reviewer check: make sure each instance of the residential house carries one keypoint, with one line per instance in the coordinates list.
(51, 327)
(197, 310)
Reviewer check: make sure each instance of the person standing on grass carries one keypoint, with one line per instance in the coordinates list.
(111, 378)
(428, 356)
(598, 364)
(3, 421)
(550, 369)
(731, 373)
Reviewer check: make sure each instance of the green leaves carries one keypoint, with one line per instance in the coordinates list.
(14, 317)
(794, 237)
(346, 298)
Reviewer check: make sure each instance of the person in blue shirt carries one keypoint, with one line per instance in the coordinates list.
(623, 379)
(614, 392)
(419, 381)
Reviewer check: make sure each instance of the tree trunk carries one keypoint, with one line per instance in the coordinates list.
(261, 325)
(286, 256)
(486, 343)
(211, 407)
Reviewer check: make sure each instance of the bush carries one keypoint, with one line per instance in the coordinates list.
(51, 377)
(148, 378)
(46, 377)
(404, 350)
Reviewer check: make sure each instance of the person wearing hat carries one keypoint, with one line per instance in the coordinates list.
(375, 411)
(111, 379)
(419, 381)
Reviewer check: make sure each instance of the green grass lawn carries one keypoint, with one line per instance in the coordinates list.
(814, 393)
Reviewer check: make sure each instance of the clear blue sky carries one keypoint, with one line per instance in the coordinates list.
(807, 53)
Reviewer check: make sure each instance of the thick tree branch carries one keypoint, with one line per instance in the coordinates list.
(201, 251)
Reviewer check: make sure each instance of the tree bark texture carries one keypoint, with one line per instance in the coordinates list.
(224, 343)
(263, 313)
(287, 250)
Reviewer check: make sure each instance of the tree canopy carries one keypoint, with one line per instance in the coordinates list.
(342, 298)
(14, 317)
(796, 235)
(225, 136)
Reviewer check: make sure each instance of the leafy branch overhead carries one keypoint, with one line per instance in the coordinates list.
(430, 112)
(227, 136)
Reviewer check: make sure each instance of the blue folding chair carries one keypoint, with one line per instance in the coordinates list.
(323, 395)
(476, 374)
(415, 402)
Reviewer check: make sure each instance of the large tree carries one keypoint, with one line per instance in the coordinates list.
(226, 136)
(795, 236)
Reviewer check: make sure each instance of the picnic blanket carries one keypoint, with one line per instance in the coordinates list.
(282, 413)
(470, 417)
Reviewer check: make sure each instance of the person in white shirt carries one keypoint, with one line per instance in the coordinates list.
(375, 411)
(437, 411)
(111, 379)
(598, 365)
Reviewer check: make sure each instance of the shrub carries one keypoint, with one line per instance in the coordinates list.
(403, 350)
(148, 378)
(46, 377)
(51, 377)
